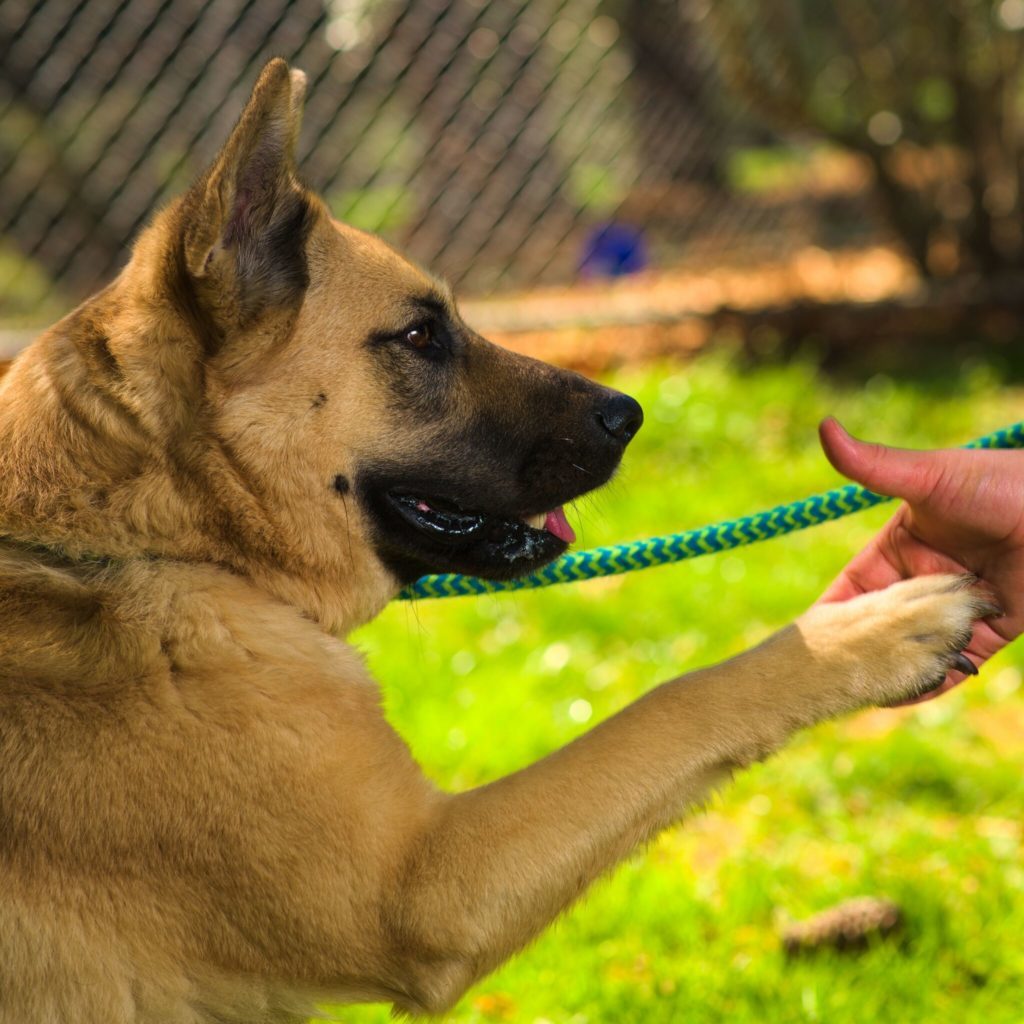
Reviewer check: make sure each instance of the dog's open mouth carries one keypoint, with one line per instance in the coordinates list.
(420, 533)
(445, 519)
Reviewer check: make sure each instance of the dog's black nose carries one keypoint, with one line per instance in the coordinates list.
(621, 416)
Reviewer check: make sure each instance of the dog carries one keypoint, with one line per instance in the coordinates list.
(212, 471)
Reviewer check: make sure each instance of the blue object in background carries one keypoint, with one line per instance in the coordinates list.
(613, 250)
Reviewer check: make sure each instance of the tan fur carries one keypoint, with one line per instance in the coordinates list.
(204, 815)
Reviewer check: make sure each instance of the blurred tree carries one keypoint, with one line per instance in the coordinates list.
(925, 90)
(674, 88)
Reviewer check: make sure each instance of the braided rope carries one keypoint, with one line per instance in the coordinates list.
(677, 547)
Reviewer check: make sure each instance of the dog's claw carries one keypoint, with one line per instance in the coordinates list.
(964, 664)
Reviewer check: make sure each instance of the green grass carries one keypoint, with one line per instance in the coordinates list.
(923, 805)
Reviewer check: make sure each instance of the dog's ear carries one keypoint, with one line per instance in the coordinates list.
(249, 213)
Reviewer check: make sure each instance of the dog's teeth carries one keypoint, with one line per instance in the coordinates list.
(537, 521)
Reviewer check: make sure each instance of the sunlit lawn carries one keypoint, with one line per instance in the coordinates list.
(923, 806)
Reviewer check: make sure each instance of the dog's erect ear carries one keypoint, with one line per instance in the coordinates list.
(249, 209)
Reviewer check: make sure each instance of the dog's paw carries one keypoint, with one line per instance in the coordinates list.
(896, 644)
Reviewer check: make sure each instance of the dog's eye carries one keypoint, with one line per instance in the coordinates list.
(419, 337)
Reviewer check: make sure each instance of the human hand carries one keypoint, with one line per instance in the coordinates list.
(963, 512)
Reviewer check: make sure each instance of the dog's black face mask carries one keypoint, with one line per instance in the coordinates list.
(497, 444)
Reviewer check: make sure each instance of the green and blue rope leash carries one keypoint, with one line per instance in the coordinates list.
(677, 547)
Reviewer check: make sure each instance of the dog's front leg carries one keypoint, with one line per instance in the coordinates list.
(495, 864)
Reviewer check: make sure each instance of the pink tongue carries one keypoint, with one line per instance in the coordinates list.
(557, 524)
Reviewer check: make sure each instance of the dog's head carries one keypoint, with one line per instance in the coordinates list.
(335, 422)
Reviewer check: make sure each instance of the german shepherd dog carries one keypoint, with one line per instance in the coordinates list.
(212, 470)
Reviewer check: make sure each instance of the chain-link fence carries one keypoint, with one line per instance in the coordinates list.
(502, 142)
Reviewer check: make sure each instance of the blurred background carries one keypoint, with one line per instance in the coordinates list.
(749, 214)
(733, 155)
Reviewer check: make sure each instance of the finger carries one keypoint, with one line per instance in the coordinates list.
(893, 554)
(986, 641)
(899, 472)
(869, 570)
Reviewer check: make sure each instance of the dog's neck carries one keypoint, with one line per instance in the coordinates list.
(136, 474)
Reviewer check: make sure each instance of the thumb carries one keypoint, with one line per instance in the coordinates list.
(897, 472)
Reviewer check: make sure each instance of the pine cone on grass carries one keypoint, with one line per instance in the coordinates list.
(848, 926)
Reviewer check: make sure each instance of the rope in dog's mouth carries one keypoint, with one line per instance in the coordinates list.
(677, 547)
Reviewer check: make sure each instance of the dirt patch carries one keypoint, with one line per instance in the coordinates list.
(856, 307)
(812, 275)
